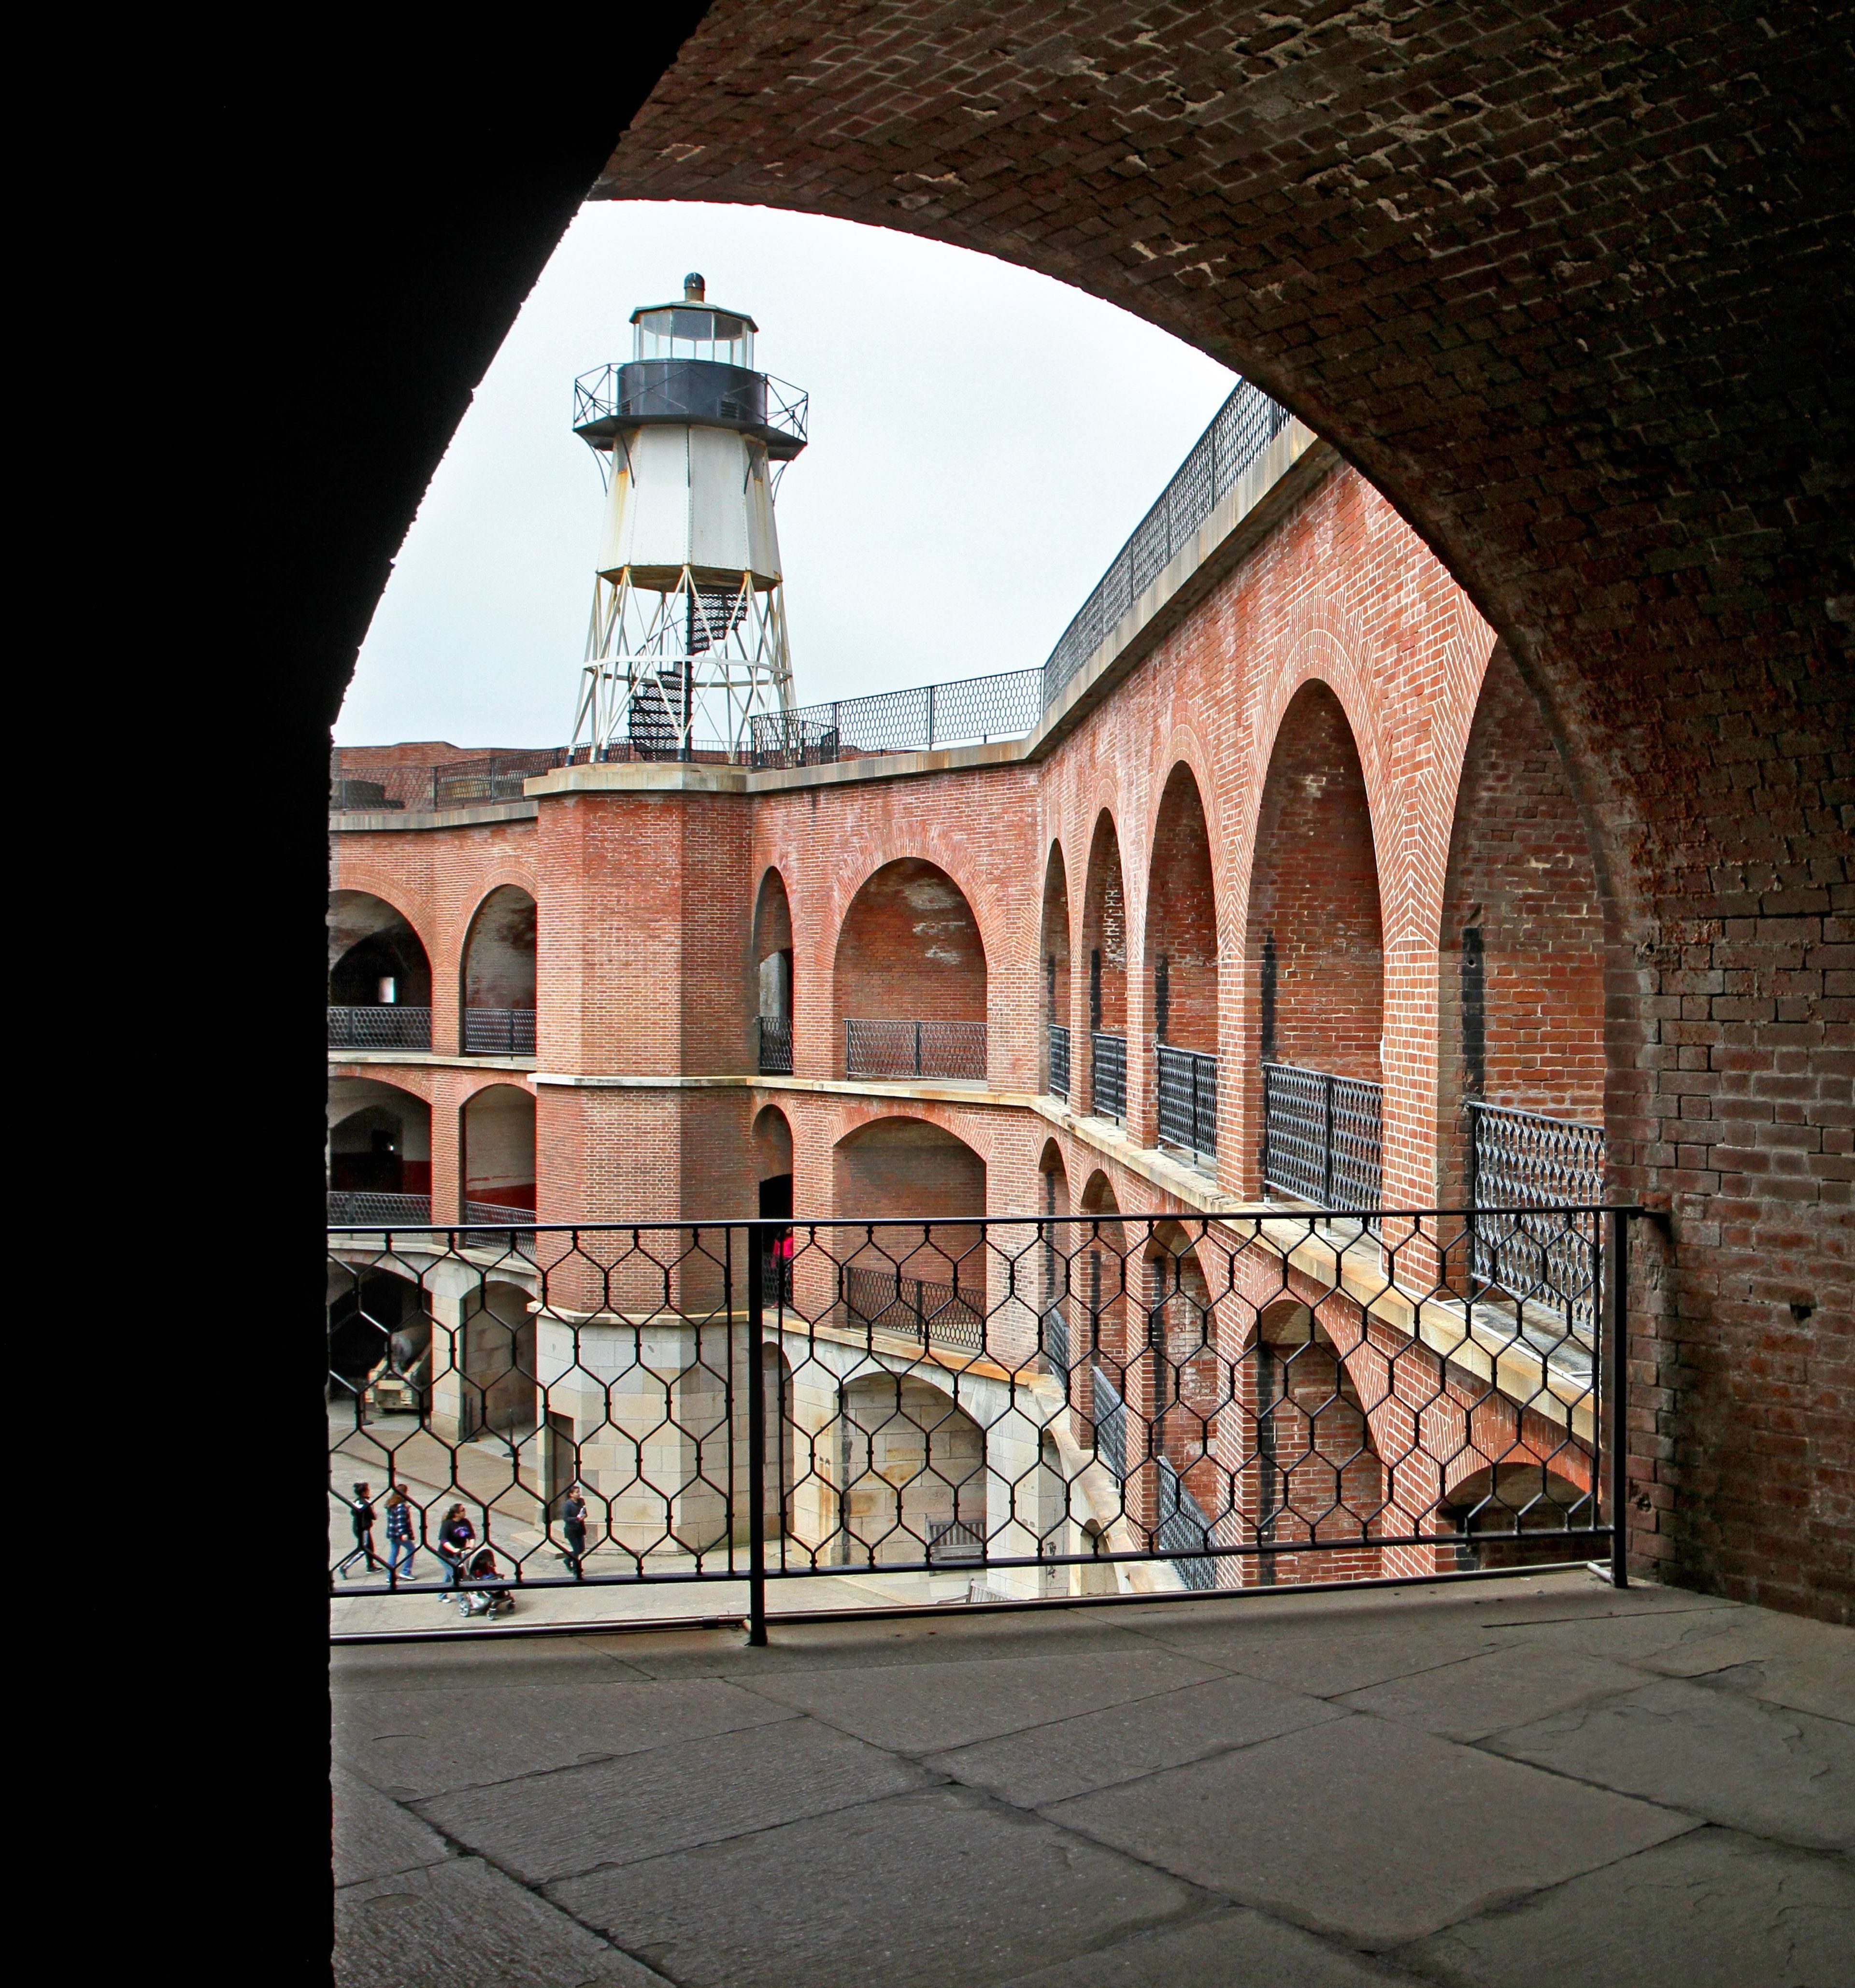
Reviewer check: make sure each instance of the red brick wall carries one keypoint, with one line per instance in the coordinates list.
(1104, 930)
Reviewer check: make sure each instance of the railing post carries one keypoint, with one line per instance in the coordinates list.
(1326, 1144)
(1616, 1385)
(930, 717)
(917, 1049)
(757, 1444)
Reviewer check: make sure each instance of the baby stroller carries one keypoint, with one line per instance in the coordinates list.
(479, 1593)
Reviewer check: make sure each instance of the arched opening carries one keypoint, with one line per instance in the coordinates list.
(1499, 1507)
(1183, 1390)
(1521, 1061)
(1105, 960)
(910, 978)
(773, 1167)
(1316, 951)
(1100, 1299)
(380, 976)
(379, 1153)
(499, 975)
(1316, 1479)
(379, 1346)
(1182, 960)
(772, 976)
(1052, 949)
(500, 1396)
(914, 1475)
(499, 1154)
(924, 1283)
(1053, 1198)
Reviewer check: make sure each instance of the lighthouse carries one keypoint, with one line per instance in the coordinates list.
(687, 643)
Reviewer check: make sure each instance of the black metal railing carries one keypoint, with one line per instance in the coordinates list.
(643, 390)
(938, 1313)
(1107, 1076)
(775, 1045)
(1322, 1136)
(1523, 1160)
(496, 1217)
(1109, 1417)
(360, 781)
(500, 1031)
(903, 1050)
(1184, 1528)
(1059, 1060)
(358, 1204)
(1239, 430)
(1188, 1099)
(970, 711)
(745, 1402)
(390, 1026)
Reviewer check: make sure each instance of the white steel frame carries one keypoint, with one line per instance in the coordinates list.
(639, 637)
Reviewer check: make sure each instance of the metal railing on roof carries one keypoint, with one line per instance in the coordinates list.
(1239, 430)
(971, 711)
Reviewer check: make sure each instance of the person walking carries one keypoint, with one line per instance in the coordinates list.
(573, 1523)
(401, 1545)
(454, 1538)
(361, 1515)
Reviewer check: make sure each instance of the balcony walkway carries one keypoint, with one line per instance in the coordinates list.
(1535, 1780)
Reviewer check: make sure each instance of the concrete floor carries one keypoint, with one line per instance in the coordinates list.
(1527, 1781)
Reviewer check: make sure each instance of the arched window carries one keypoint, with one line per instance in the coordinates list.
(1181, 959)
(1105, 961)
(910, 978)
(1316, 951)
(380, 978)
(499, 975)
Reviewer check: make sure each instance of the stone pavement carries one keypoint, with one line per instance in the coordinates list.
(1538, 1780)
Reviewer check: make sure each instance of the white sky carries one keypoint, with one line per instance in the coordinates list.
(983, 440)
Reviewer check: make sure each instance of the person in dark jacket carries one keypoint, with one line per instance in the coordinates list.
(402, 1543)
(454, 1538)
(360, 1514)
(572, 1523)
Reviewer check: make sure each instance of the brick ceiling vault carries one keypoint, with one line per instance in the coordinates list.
(1570, 283)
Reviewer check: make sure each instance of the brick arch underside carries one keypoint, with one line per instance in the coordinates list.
(1402, 226)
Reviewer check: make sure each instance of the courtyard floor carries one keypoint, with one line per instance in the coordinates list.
(1535, 1780)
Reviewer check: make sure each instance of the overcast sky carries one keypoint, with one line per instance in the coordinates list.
(983, 440)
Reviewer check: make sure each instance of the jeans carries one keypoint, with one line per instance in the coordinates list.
(396, 1551)
(576, 1545)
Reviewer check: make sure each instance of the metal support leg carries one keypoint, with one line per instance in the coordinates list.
(756, 1444)
(1616, 1387)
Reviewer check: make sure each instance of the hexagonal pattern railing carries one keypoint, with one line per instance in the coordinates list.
(1071, 1406)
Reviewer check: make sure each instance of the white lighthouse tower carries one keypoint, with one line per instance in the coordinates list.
(687, 639)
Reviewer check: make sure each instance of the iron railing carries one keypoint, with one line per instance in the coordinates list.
(390, 1026)
(1239, 430)
(1322, 1136)
(1188, 1099)
(1525, 1160)
(900, 1394)
(775, 1045)
(646, 390)
(936, 1313)
(1059, 1060)
(1107, 1076)
(359, 780)
(906, 1049)
(498, 1032)
(971, 711)
(496, 1216)
(352, 1205)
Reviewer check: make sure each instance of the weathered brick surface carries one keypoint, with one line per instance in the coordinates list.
(1320, 748)
(1571, 283)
